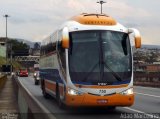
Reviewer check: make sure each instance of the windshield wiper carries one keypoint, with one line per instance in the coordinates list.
(113, 73)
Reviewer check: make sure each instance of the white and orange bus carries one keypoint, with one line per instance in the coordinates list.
(88, 62)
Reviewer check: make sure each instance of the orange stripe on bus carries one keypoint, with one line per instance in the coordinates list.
(61, 90)
(94, 20)
(50, 86)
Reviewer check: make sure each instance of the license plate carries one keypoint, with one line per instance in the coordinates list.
(102, 101)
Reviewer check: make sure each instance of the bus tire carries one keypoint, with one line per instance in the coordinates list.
(45, 94)
(42, 83)
(60, 103)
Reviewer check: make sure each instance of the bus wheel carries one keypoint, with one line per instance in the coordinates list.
(60, 103)
(45, 94)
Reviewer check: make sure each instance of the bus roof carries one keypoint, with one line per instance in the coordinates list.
(94, 19)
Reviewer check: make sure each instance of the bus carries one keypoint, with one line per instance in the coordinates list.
(88, 62)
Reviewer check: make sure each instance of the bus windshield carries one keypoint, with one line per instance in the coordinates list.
(100, 57)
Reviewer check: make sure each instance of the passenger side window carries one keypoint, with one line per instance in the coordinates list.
(61, 52)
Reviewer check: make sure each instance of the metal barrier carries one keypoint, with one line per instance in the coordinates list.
(3, 79)
(29, 106)
(147, 84)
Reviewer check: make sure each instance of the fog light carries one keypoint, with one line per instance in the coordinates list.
(74, 92)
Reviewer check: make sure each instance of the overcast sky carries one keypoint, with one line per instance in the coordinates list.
(35, 19)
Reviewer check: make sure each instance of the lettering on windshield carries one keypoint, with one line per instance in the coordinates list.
(102, 84)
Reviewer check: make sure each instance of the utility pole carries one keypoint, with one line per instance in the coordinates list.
(101, 2)
(6, 16)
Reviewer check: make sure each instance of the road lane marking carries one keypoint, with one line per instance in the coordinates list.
(156, 96)
(149, 115)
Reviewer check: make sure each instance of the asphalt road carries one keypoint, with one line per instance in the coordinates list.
(147, 105)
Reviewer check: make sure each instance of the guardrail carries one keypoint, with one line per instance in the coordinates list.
(29, 106)
(3, 79)
(147, 84)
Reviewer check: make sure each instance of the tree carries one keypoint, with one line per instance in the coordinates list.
(36, 46)
(16, 45)
(18, 48)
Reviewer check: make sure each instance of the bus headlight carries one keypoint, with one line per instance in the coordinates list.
(74, 92)
(127, 92)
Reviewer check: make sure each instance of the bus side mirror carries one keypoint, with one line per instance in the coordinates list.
(137, 37)
(65, 38)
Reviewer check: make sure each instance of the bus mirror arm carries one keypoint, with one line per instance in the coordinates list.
(137, 37)
(65, 38)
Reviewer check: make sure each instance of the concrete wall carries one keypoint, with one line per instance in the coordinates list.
(2, 80)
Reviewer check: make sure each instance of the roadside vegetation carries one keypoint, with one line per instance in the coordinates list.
(2, 60)
(15, 64)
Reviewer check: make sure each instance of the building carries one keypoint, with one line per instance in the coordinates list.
(35, 51)
(153, 68)
(147, 72)
(2, 47)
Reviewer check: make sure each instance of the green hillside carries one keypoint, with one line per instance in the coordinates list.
(16, 65)
(2, 60)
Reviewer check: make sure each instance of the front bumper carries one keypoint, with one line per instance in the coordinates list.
(93, 100)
